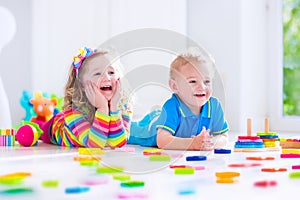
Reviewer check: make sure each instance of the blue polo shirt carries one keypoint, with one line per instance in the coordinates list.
(180, 121)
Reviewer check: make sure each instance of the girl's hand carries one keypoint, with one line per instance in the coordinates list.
(115, 100)
(95, 97)
(203, 141)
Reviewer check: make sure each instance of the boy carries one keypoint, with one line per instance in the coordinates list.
(191, 119)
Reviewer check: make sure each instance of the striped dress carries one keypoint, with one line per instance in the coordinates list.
(71, 128)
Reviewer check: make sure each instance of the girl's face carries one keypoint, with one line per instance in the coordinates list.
(99, 71)
(192, 86)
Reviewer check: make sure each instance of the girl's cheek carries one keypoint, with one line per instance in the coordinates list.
(97, 81)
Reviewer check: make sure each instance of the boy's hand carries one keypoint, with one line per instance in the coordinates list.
(220, 141)
(95, 97)
(115, 100)
(203, 141)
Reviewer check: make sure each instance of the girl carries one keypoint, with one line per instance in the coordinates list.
(94, 113)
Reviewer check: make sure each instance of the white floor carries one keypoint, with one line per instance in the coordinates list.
(50, 162)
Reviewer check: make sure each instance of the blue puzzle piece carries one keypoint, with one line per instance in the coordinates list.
(222, 151)
(195, 158)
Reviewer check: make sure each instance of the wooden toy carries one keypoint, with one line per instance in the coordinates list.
(295, 174)
(243, 144)
(290, 155)
(95, 180)
(289, 143)
(274, 170)
(222, 151)
(159, 158)
(296, 167)
(131, 184)
(152, 151)
(245, 165)
(267, 129)
(121, 177)
(86, 158)
(226, 177)
(293, 151)
(109, 170)
(89, 163)
(195, 158)
(76, 190)
(7, 137)
(90, 151)
(265, 183)
(198, 167)
(251, 143)
(50, 183)
(17, 191)
(126, 149)
(14, 178)
(225, 180)
(177, 166)
(187, 166)
(184, 171)
(269, 138)
(249, 138)
(227, 174)
(187, 191)
(249, 127)
(260, 158)
(132, 195)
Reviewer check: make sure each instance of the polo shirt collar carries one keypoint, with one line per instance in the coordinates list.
(186, 112)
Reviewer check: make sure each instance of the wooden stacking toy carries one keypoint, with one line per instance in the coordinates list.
(256, 143)
(7, 137)
(270, 139)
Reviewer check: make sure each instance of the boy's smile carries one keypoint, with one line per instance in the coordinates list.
(200, 94)
(192, 86)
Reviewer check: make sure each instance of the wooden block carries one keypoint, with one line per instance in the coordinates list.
(256, 149)
(290, 145)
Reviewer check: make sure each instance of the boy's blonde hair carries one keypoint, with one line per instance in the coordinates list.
(74, 95)
(196, 57)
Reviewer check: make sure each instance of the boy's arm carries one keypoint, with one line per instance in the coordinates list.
(165, 140)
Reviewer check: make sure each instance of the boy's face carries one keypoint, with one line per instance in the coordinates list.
(99, 71)
(193, 86)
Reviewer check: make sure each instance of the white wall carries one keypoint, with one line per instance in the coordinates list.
(233, 31)
(58, 33)
(254, 63)
(16, 65)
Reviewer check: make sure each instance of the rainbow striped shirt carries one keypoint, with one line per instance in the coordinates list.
(70, 128)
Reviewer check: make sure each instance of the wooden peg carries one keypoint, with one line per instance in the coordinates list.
(249, 127)
(267, 128)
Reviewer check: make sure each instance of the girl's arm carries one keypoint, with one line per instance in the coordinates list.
(70, 128)
(119, 128)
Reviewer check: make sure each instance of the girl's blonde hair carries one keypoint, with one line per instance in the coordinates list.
(74, 96)
(194, 56)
